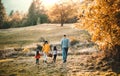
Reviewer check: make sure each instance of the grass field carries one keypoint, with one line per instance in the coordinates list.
(77, 65)
(20, 37)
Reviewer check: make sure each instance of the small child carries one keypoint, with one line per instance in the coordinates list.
(54, 53)
(37, 56)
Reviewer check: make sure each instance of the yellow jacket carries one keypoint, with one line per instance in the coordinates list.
(46, 48)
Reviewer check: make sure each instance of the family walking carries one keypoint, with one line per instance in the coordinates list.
(46, 48)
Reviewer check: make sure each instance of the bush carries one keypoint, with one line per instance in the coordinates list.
(6, 25)
(74, 42)
(41, 39)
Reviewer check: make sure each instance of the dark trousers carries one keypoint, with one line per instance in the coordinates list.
(37, 61)
(54, 58)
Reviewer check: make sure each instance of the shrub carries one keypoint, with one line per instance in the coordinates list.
(74, 42)
(41, 39)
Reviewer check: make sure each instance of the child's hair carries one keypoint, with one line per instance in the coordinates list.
(37, 52)
(55, 48)
(39, 47)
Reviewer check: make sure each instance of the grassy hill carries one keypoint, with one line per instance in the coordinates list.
(20, 37)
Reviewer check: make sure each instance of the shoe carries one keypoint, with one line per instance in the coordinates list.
(45, 61)
(64, 61)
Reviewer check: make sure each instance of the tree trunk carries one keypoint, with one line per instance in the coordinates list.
(62, 24)
(1, 25)
(117, 57)
(62, 20)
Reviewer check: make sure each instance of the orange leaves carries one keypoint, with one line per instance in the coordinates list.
(17, 16)
(101, 19)
(62, 12)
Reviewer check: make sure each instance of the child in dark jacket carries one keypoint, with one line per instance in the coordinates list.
(37, 56)
(54, 53)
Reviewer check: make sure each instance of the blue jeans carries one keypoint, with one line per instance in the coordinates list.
(64, 54)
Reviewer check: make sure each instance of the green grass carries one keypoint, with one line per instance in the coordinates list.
(11, 39)
(17, 37)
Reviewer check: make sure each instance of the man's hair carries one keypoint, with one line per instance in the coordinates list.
(64, 35)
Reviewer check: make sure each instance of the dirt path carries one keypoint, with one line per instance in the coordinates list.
(77, 65)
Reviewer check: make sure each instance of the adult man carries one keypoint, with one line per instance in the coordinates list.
(64, 46)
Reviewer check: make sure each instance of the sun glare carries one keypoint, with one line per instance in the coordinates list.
(49, 2)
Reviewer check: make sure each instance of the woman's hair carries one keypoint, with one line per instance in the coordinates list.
(54, 48)
(46, 42)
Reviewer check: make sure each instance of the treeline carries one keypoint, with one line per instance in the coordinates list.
(37, 14)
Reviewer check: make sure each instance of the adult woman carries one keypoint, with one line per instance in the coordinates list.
(45, 49)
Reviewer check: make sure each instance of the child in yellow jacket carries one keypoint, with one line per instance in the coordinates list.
(45, 49)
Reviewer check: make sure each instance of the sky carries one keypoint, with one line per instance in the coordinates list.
(22, 5)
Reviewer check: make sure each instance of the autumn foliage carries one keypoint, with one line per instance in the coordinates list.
(62, 12)
(102, 19)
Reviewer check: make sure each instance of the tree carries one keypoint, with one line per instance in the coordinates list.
(11, 13)
(102, 19)
(32, 14)
(16, 19)
(43, 18)
(61, 12)
(36, 13)
(2, 15)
